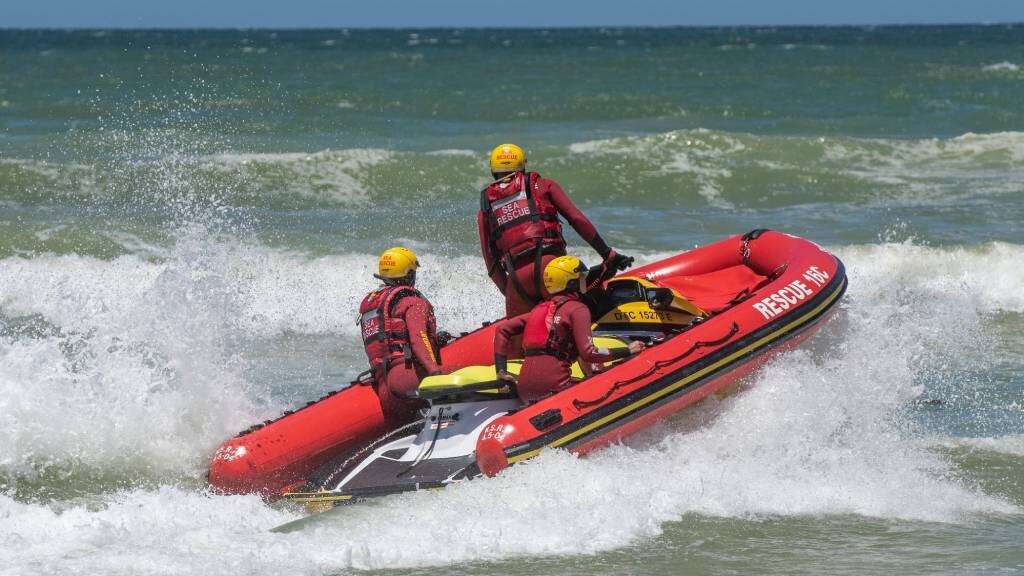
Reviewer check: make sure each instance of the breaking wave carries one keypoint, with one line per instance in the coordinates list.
(1004, 66)
(135, 358)
(712, 168)
(1012, 445)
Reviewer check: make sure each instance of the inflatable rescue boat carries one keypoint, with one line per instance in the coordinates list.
(709, 316)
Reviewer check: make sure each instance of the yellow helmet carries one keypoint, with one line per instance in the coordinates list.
(507, 158)
(561, 271)
(396, 263)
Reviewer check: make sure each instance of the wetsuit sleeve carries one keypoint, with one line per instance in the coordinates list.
(423, 349)
(579, 320)
(504, 334)
(579, 222)
(494, 269)
(597, 276)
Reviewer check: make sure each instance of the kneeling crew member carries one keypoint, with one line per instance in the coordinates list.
(400, 335)
(555, 334)
(520, 232)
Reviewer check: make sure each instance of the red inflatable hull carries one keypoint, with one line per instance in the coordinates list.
(768, 289)
(771, 288)
(271, 457)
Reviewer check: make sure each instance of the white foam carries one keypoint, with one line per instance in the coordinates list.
(136, 370)
(332, 287)
(717, 165)
(818, 432)
(142, 365)
(932, 170)
(996, 149)
(1012, 444)
(699, 155)
(985, 279)
(137, 246)
(338, 176)
(455, 152)
(1004, 66)
(335, 174)
(271, 291)
(154, 334)
(63, 175)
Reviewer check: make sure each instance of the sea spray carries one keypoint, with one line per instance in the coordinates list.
(188, 219)
(141, 368)
(141, 372)
(820, 431)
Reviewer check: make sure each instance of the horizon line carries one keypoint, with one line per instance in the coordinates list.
(212, 28)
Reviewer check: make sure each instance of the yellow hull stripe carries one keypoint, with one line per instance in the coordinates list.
(314, 497)
(681, 383)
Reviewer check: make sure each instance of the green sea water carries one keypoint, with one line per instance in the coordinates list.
(188, 220)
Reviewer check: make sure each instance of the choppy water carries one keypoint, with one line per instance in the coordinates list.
(187, 222)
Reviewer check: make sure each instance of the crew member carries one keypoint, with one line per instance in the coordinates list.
(555, 334)
(400, 335)
(520, 232)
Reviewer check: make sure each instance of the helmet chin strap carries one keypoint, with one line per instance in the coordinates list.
(407, 280)
(579, 288)
(506, 178)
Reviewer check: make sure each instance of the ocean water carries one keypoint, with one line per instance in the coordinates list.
(188, 220)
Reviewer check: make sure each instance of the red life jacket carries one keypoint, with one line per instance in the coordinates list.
(520, 216)
(386, 337)
(540, 335)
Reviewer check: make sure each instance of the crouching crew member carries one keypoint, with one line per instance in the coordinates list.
(400, 335)
(520, 232)
(554, 334)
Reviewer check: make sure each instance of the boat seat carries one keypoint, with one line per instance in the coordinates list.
(484, 379)
(478, 379)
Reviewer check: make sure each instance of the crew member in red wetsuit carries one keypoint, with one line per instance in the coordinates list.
(520, 232)
(400, 335)
(555, 333)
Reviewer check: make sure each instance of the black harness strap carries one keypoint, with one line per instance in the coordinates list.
(552, 248)
(529, 197)
(548, 352)
(514, 278)
(537, 259)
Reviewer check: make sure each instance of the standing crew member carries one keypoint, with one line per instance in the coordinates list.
(520, 232)
(555, 334)
(400, 335)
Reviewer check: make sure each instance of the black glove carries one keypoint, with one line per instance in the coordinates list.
(443, 338)
(618, 261)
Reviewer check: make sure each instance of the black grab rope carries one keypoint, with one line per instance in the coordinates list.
(580, 404)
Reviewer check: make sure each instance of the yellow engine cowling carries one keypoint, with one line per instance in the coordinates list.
(636, 309)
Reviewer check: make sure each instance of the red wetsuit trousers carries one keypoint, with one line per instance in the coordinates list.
(396, 394)
(542, 375)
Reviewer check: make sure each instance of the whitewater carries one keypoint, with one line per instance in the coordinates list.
(183, 249)
(133, 383)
